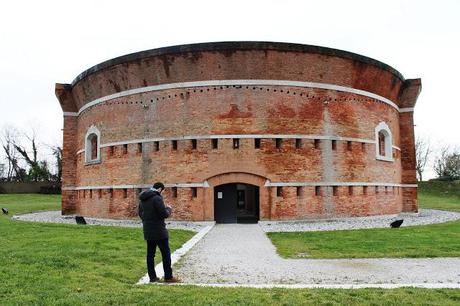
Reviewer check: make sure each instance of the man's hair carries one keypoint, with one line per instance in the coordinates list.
(158, 185)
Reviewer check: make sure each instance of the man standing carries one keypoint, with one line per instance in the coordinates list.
(153, 213)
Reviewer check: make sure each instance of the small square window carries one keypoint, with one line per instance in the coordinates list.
(349, 146)
(335, 190)
(278, 142)
(299, 191)
(174, 192)
(279, 191)
(174, 145)
(317, 143)
(350, 190)
(298, 143)
(139, 148)
(236, 143)
(125, 193)
(125, 149)
(257, 143)
(334, 144)
(317, 191)
(194, 144)
(365, 190)
(214, 143)
(194, 192)
(156, 144)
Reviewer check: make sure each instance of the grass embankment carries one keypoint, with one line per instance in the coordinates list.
(53, 264)
(439, 195)
(437, 240)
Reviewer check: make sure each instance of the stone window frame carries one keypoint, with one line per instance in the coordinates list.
(382, 127)
(93, 130)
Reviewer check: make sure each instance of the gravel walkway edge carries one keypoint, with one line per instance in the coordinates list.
(323, 286)
(423, 217)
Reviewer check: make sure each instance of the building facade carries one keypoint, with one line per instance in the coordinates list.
(240, 132)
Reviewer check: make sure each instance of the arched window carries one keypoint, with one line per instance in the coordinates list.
(383, 142)
(93, 145)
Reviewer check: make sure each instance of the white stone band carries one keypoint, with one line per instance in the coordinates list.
(406, 110)
(326, 184)
(245, 136)
(135, 186)
(267, 184)
(208, 83)
(70, 114)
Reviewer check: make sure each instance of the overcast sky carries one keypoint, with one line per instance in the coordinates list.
(44, 42)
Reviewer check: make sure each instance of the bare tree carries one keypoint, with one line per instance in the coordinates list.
(57, 153)
(14, 171)
(422, 154)
(2, 171)
(38, 170)
(447, 164)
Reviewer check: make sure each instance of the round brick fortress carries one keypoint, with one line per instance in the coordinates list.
(240, 132)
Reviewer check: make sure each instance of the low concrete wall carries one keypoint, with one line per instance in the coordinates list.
(30, 187)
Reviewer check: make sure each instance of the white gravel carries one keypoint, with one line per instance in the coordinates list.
(425, 216)
(56, 217)
(242, 254)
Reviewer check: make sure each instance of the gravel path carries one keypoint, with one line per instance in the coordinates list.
(56, 217)
(242, 254)
(425, 216)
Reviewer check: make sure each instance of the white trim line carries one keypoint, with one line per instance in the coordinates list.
(326, 184)
(267, 184)
(177, 254)
(244, 136)
(406, 109)
(242, 82)
(135, 186)
(71, 114)
(324, 286)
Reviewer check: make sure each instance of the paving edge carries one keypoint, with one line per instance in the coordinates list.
(324, 286)
(177, 254)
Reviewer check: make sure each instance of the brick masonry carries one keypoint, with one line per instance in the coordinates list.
(109, 188)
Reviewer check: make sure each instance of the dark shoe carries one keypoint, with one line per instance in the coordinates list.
(154, 280)
(172, 280)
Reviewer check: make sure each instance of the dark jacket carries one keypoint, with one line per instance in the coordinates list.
(153, 213)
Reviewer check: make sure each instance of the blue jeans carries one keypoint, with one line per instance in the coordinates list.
(163, 244)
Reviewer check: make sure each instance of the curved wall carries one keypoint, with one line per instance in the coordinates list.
(323, 104)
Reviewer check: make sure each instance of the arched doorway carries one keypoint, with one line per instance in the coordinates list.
(236, 203)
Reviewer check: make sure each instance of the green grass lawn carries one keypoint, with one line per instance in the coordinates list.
(439, 195)
(54, 264)
(437, 240)
(434, 240)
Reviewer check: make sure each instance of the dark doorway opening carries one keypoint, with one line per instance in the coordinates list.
(236, 203)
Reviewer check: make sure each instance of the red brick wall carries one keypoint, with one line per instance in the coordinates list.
(233, 110)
